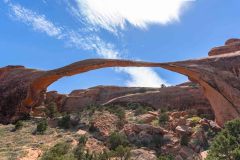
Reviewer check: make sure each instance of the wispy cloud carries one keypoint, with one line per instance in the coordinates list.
(113, 14)
(37, 22)
(138, 76)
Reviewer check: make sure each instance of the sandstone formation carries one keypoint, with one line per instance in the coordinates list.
(22, 88)
(231, 45)
(181, 97)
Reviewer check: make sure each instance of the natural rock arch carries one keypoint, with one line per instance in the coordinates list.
(21, 88)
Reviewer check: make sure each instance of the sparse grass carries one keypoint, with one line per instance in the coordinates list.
(14, 144)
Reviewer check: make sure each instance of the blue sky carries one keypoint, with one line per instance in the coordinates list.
(47, 34)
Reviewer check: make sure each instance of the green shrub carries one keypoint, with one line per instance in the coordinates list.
(226, 144)
(41, 126)
(120, 112)
(157, 140)
(18, 125)
(120, 124)
(92, 128)
(52, 111)
(82, 140)
(166, 157)
(163, 118)
(133, 106)
(116, 139)
(211, 133)
(65, 122)
(61, 151)
(140, 110)
(194, 119)
(121, 152)
(163, 110)
(106, 155)
(184, 140)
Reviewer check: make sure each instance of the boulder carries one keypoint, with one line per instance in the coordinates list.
(183, 130)
(143, 133)
(146, 118)
(187, 153)
(203, 155)
(143, 154)
(95, 146)
(105, 123)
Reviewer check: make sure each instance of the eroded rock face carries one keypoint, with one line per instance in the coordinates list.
(21, 88)
(181, 97)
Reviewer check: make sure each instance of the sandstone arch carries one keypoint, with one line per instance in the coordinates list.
(22, 88)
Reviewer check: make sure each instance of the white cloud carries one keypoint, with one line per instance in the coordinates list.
(111, 14)
(145, 77)
(38, 22)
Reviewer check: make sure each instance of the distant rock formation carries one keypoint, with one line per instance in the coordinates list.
(181, 97)
(21, 88)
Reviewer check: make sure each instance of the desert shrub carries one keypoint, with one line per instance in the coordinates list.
(92, 128)
(18, 125)
(184, 140)
(211, 133)
(166, 157)
(120, 123)
(120, 112)
(52, 111)
(81, 154)
(140, 110)
(192, 113)
(91, 109)
(157, 140)
(106, 155)
(163, 118)
(61, 151)
(116, 139)
(133, 106)
(208, 116)
(41, 126)
(82, 140)
(121, 152)
(194, 119)
(226, 144)
(163, 110)
(65, 122)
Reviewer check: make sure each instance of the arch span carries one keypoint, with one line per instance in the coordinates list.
(22, 88)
